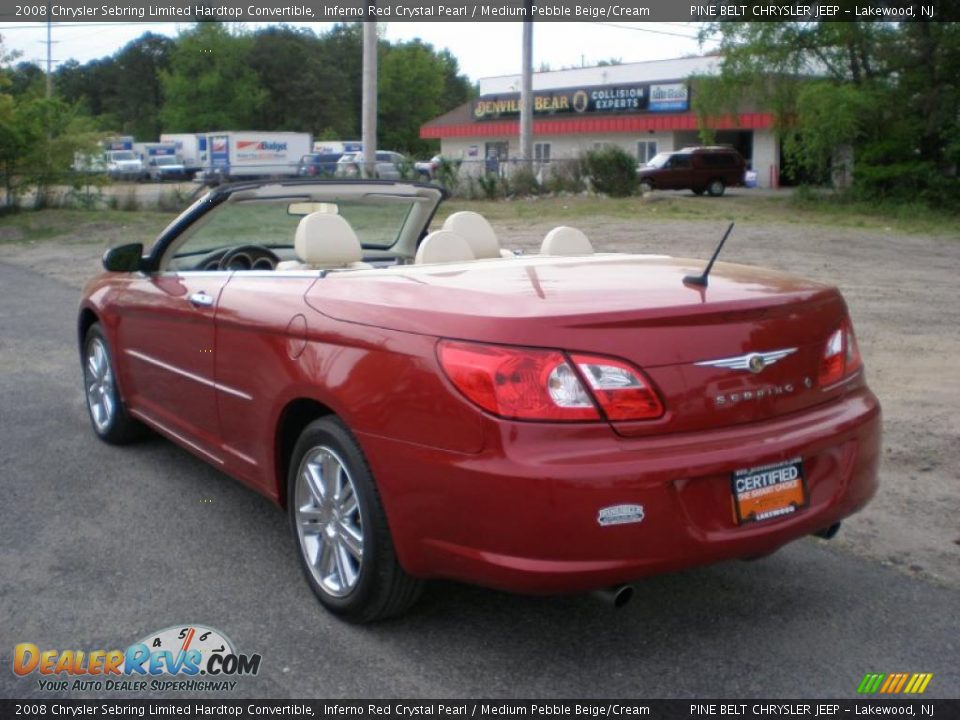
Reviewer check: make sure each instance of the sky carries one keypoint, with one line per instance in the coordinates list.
(482, 49)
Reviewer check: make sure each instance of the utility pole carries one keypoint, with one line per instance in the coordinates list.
(49, 53)
(526, 89)
(369, 108)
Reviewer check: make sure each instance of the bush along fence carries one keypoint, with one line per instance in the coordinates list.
(609, 171)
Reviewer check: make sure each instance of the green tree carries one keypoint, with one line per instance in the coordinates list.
(306, 90)
(415, 84)
(39, 136)
(138, 97)
(210, 84)
(53, 134)
(342, 58)
(888, 91)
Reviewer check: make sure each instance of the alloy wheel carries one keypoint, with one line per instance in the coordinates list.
(329, 523)
(98, 380)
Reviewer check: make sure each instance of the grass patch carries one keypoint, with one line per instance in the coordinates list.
(82, 226)
(114, 227)
(740, 207)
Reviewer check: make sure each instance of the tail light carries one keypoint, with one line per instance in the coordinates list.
(622, 390)
(534, 384)
(841, 356)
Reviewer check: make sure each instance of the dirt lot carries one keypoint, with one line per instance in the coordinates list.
(903, 292)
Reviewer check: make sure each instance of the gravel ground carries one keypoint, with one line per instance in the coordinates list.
(902, 292)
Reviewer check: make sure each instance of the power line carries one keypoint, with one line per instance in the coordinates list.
(647, 30)
(23, 26)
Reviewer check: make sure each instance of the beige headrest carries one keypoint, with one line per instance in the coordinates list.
(565, 240)
(326, 240)
(443, 246)
(477, 231)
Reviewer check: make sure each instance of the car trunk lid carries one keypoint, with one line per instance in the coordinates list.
(695, 344)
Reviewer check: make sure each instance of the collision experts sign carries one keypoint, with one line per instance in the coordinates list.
(631, 98)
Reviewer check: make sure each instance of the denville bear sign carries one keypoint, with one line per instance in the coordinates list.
(597, 99)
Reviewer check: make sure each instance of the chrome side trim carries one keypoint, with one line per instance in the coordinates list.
(236, 453)
(189, 375)
(149, 420)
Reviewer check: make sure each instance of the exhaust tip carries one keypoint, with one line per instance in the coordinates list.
(624, 594)
(616, 596)
(828, 533)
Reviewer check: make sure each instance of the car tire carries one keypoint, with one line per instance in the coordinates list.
(716, 188)
(105, 406)
(645, 187)
(340, 528)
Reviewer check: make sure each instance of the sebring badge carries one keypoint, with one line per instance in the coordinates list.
(620, 514)
(755, 362)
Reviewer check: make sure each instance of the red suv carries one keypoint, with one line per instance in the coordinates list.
(711, 169)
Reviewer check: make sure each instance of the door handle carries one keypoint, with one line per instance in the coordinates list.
(201, 299)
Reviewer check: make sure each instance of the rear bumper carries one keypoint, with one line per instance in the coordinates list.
(522, 514)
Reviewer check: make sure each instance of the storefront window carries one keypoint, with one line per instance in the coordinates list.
(646, 150)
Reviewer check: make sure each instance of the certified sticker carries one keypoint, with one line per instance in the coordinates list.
(620, 514)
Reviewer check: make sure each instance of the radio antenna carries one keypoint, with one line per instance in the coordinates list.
(701, 280)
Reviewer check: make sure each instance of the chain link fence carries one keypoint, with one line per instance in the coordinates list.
(80, 190)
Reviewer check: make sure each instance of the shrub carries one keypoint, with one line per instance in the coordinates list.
(523, 182)
(128, 201)
(612, 171)
(490, 185)
(83, 198)
(172, 200)
(564, 176)
(405, 169)
(448, 174)
(911, 181)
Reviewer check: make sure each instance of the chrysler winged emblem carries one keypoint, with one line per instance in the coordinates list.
(755, 362)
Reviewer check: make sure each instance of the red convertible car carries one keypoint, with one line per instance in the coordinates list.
(429, 405)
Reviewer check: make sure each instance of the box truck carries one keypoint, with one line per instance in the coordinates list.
(122, 163)
(161, 162)
(191, 149)
(337, 146)
(239, 155)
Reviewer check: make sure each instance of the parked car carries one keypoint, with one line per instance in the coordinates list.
(701, 169)
(319, 165)
(428, 168)
(389, 165)
(164, 168)
(425, 408)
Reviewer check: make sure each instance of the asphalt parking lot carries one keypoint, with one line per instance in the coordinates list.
(101, 546)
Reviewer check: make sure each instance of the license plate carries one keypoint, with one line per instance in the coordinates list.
(769, 491)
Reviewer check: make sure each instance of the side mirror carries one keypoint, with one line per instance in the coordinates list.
(123, 258)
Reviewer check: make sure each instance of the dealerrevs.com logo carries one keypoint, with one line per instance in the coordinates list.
(179, 658)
